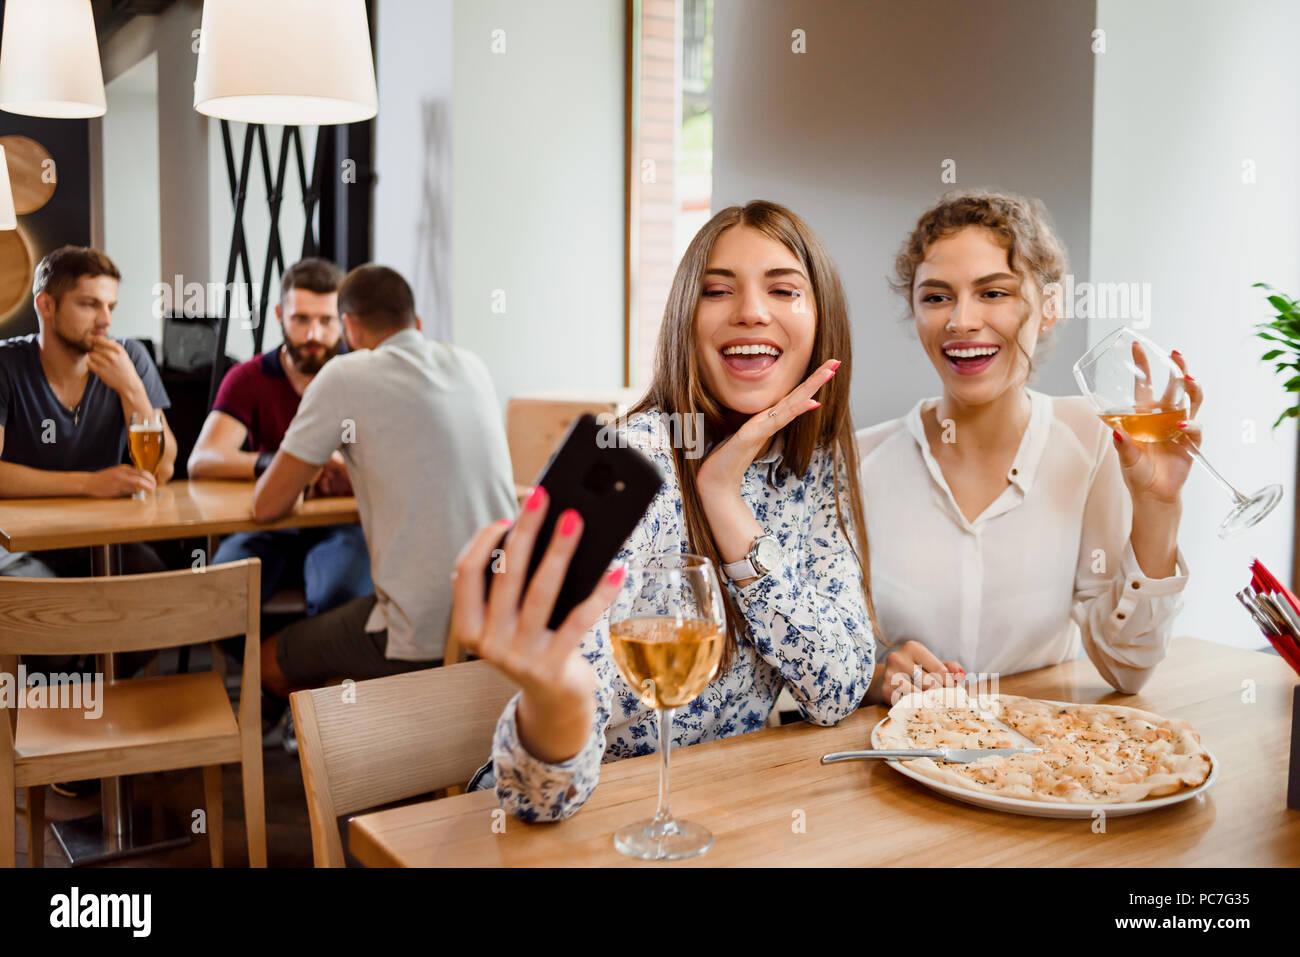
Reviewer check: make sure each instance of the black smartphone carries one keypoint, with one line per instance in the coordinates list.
(610, 487)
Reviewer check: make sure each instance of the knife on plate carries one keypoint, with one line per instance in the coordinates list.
(954, 755)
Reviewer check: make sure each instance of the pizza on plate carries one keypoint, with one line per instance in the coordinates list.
(1092, 753)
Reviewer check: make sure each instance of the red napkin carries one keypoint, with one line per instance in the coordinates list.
(1287, 644)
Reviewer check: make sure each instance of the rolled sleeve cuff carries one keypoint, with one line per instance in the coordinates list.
(1136, 587)
(534, 789)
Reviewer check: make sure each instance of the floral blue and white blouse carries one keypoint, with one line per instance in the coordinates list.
(805, 627)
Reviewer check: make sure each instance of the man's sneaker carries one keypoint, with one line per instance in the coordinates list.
(77, 789)
(290, 739)
(275, 737)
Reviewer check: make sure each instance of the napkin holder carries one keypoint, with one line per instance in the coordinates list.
(1293, 768)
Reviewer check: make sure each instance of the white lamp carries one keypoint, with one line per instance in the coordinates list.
(49, 60)
(8, 220)
(291, 62)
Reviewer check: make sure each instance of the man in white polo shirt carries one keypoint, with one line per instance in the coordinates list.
(418, 424)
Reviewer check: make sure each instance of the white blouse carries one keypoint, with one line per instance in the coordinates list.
(1046, 568)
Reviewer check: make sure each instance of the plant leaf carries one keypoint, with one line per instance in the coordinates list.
(1271, 354)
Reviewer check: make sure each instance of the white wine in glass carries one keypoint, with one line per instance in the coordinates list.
(1136, 387)
(145, 440)
(666, 630)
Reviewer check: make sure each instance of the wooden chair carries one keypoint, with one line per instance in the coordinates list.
(389, 739)
(147, 724)
(536, 424)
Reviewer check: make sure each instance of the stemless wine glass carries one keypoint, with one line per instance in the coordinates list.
(145, 442)
(666, 630)
(1135, 386)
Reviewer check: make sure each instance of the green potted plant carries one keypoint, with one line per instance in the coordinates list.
(1283, 329)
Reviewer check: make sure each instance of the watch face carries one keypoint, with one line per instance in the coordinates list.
(767, 554)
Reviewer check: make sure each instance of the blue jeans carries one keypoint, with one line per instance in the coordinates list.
(331, 563)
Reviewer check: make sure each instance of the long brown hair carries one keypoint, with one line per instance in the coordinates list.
(677, 386)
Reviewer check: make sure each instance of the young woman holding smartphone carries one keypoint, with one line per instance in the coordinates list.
(755, 330)
(1009, 527)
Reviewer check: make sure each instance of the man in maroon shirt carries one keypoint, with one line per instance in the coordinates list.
(254, 406)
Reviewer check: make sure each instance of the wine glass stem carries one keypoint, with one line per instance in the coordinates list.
(1196, 454)
(663, 822)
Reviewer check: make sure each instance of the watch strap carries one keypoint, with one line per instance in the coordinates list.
(739, 571)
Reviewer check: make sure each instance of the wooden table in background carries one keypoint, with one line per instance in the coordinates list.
(190, 509)
(754, 792)
(186, 509)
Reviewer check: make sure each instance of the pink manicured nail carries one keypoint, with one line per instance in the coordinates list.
(536, 500)
(505, 521)
(836, 365)
(815, 405)
(1188, 377)
(1176, 353)
(616, 576)
(569, 522)
(1119, 439)
(1182, 425)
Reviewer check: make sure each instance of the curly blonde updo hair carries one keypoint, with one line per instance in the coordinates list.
(1019, 224)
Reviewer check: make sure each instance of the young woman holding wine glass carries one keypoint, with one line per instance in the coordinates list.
(1009, 527)
(755, 331)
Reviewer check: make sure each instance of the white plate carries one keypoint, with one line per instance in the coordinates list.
(996, 802)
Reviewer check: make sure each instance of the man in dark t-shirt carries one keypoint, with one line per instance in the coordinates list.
(67, 395)
(254, 406)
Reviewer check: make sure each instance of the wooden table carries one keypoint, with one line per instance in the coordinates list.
(184, 509)
(755, 791)
(190, 509)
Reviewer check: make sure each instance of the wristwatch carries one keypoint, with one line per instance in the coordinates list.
(764, 555)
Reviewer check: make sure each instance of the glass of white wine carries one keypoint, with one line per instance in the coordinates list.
(145, 440)
(1134, 385)
(666, 629)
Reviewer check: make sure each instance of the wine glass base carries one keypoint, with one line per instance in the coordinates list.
(1250, 511)
(652, 842)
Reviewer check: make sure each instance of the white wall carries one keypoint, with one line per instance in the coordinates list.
(171, 160)
(413, 152)
(1186, 91)
(131, 208)
(537, 209)
(852, 135)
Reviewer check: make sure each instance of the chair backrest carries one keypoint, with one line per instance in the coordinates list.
(534, 427)
(373, 742)
(77, 616)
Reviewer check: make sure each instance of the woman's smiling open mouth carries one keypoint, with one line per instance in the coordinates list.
(749, 358)
(970, 358)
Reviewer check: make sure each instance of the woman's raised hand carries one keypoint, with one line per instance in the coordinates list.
(1156, 471)
(726, 464)
(507, 626)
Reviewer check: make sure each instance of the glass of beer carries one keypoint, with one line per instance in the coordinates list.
(666, 629)
(145, 442)
(1135, 386)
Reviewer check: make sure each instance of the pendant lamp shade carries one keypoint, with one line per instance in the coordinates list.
(8, 220)
(291, 62)
(49, 60)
